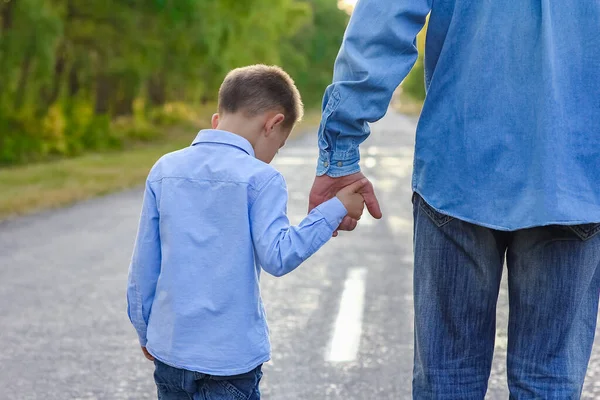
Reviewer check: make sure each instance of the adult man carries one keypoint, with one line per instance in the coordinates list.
(507, 165)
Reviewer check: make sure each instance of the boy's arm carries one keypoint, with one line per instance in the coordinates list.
(145, 266)
(281, 248)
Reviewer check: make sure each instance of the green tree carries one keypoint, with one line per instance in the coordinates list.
(309, 55)
(70, 70)
(414, 84)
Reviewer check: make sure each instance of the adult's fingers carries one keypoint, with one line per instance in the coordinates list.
(348, 224)
(372, 203)
(356, 187)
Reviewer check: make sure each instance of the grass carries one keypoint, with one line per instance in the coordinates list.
(35, 187)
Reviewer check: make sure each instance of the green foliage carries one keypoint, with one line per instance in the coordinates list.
(80, 75)
(309, 54)
(414, 84)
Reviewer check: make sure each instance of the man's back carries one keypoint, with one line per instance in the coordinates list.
(514, 99)
(509, 136)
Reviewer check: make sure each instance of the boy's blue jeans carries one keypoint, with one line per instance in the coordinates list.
(553, 283)
(180, 384)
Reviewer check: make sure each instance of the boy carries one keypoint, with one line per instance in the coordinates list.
(213, 215)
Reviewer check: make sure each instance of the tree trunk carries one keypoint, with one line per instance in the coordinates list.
(6, 21)
(73, 81)
(6, 14)
(23, 79)
(157, 92)
(51, 95)
(103, 94)
(124, 102)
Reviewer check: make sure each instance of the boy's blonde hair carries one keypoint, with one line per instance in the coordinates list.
(256, 89)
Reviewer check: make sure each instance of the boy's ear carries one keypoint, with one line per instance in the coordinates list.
(215, 121)
(273, 122)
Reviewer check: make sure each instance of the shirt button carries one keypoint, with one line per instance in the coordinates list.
(339, 164)
(326, 164)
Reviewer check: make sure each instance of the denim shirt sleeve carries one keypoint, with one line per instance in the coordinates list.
(145, 266)
(377, 53)
(279, 247)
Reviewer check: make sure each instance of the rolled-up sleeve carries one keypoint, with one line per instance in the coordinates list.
(378, 51)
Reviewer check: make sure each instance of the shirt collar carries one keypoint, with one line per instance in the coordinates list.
(223, 137)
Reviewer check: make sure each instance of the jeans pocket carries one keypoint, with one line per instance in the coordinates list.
(242, 387)
(585, 231)
(437, 217)
(169, 379)
(166, 392)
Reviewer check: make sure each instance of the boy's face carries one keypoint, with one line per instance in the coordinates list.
(270, 142)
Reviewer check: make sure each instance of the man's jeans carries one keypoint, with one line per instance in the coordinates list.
(180, 384)
(553, 284)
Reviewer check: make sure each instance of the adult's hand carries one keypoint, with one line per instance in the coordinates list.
(326, 187)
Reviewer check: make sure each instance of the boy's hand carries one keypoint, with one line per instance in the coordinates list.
(325, 187)
(147, 355)
(352, 199)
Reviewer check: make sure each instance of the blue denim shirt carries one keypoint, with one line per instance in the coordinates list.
(509, 136)
(212, 216)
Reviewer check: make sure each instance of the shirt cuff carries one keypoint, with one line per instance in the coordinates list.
(335, 165)
(334, 212)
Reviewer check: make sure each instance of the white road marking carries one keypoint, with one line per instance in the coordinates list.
(501, 340)
(283, 160)
(397, 167)
(295, 219)
(348, 325)
(372, 150)
(370, 162)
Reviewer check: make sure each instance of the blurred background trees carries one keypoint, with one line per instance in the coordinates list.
(414, 84)
(78, 75)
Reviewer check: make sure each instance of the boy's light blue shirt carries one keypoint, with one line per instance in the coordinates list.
(212, 216)
(509, 136)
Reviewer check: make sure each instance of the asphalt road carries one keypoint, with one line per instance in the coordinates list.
(341, 325)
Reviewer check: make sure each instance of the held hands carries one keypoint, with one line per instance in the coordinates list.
(325, 187)
(352, 199)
